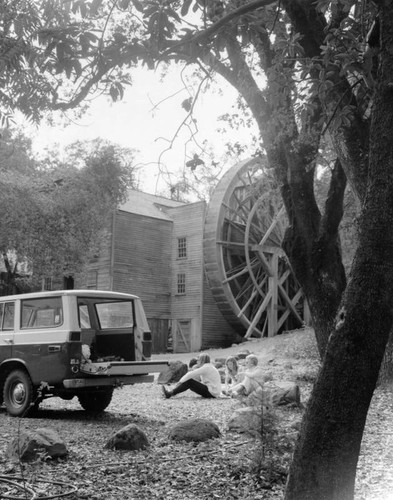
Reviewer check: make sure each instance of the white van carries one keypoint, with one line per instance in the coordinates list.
(70, 343)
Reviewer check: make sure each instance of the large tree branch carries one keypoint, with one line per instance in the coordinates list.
(308, 22)
(204, 35)
(350, 141)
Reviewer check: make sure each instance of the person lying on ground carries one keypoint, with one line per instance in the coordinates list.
(252, 378)
(204, 379)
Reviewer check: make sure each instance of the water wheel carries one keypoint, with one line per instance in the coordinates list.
(248, 272)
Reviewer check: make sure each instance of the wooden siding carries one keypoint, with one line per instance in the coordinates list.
(102, 264)
(188, 223)
(217, 332)
(159, 332)
(141, 261)
(182, 333)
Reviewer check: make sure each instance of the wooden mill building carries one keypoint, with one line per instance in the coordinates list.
(207, 274)
(154, 250)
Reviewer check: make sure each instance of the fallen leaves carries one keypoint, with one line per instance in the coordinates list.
(231, 467)
(218, 468)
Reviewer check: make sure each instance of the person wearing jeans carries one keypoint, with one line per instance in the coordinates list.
(204, 380)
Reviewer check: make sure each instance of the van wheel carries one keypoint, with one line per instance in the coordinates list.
(18, 393)
(95, 401)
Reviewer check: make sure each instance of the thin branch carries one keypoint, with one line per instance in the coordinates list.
(276, 16)
(184, 122)
(336, 108)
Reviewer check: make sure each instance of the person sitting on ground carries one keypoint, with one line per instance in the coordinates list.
(192, 364)
(204, 379)
(231, 373)
(252, 378)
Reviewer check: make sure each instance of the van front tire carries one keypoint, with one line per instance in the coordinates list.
(95, 401)
(18, 393)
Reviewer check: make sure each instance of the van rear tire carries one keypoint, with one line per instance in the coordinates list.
(95, 401)
(18, 393)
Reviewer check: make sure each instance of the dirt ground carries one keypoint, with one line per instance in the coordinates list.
(233, 466)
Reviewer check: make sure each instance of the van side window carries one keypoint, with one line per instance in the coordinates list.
(7, 316)
(42, 313)
(84, 318)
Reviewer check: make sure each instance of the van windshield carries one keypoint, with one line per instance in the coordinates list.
(115, 314)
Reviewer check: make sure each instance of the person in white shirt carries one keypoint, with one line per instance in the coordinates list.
(204, 379)
(252, 378)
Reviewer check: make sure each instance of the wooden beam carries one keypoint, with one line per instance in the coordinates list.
(258, 315)
(273, 289)
(252, 297)
(272, 226)
(290, 302)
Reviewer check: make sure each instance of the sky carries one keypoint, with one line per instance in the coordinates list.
(147, 120)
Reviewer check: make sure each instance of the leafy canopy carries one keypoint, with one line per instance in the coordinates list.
(54, 214)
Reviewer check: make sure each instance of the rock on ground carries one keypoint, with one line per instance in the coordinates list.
(174, 372)
(194, 430)
(31, 444)
(247, 419)
(275, 393)
(130, 437)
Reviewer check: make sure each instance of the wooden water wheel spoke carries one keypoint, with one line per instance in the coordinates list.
(257, 316)
(285, 315)
(252, 296)
(284, 276)
(289, 302)
(249, 292)
(245, 265)
(255, 233)
(234, 213)
(273, 225)
(236, 275)
(242, 205)
(231, 244)
(244, 293)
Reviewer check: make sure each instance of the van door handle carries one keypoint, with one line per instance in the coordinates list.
(54, 348)
(9, 341)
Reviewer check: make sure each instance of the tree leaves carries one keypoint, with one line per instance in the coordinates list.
(54, 216)
(196, 160)
(187, 104)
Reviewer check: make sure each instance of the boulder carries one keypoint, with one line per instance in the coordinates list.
(284, 393)
(129, 437)
(194, 430)
(33, 444)
(174, 372)
(247, 419)
(275, 393)
(254, 420)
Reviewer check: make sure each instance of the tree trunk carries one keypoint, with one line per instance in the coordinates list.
(325, 459)
(315, 256)
(386, 371)
(10, 287)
